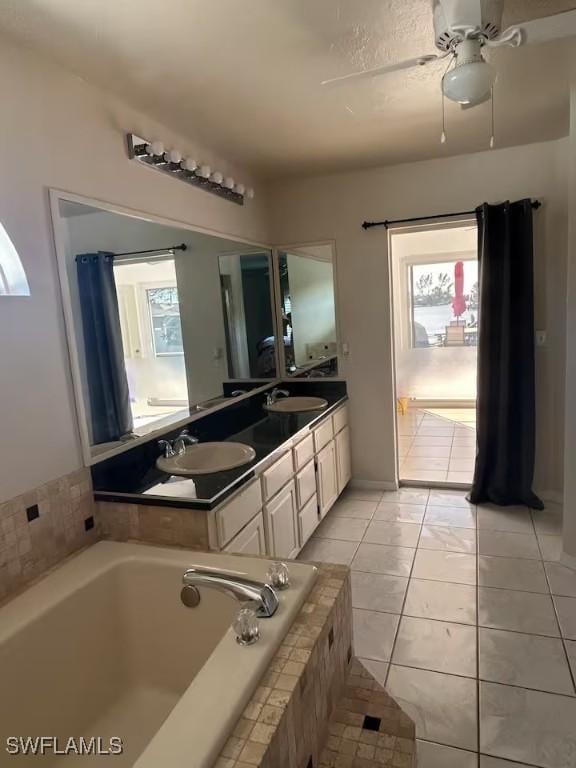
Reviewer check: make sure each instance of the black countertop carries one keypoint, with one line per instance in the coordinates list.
(133, 477)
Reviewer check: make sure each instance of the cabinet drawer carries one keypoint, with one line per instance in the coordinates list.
(234, 515)
(277, 475)
(308, 520)
(306, 483)
(323, 434)
(340, 419)
(303, 452)
(250, 540)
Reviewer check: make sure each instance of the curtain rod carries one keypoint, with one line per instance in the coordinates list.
(182, 247)
(369, 224)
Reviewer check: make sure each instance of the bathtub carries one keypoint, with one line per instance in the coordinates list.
(104, 647)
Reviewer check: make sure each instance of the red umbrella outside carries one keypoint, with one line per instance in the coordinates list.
(458, 302)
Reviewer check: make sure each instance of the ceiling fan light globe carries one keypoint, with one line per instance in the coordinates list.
(469, 83)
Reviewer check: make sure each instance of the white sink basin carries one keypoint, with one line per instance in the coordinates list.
(207, 458)
(297, 404)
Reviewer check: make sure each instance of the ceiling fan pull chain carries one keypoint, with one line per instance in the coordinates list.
(492, 118)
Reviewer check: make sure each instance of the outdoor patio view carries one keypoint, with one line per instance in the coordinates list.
(436, 333)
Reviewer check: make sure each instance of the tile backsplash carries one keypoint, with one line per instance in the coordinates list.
(42, 527)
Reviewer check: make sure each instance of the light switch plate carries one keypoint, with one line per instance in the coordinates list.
(540, 338)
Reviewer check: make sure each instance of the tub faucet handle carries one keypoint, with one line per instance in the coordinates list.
(278, 575)
(246, 627)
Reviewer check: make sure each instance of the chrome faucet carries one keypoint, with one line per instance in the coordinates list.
(238, 392)
(184, 439)
(271, 397)
(179, 445)
(260, 595)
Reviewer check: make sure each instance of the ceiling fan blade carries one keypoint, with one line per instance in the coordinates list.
(384, 70)
(543, 30)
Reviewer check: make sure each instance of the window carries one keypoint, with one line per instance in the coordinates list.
(164, 308)
(13, 280)
(444, 303)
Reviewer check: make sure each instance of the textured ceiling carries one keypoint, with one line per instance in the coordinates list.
(244, 77)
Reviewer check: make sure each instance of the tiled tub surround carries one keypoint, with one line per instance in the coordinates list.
(467, 616)
(42, 527)
(132, 476)
(103, 646)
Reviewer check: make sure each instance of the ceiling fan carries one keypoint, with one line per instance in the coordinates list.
(461, 29)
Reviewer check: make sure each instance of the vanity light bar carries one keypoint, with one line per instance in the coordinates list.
(172, 163)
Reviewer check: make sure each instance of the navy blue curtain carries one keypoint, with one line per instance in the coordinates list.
(506, 390)
(110, 412)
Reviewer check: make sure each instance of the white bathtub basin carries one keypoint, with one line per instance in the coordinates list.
(103, 647)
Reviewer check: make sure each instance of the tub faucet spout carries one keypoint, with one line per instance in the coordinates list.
(245, 590)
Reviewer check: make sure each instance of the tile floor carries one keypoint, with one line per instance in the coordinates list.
(437, 444)
(467, 617)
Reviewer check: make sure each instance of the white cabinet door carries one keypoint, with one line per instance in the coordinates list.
(327, 477)
(281, 516)
(343, 458)
(251, 539)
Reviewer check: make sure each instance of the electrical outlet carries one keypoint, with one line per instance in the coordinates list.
(540, 338)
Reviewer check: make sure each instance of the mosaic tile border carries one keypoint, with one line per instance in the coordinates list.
(41, 527)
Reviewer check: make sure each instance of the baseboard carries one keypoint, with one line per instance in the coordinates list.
(373, 485)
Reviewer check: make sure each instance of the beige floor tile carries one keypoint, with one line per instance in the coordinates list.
(379, 558)
(454, 567)
(423, 475)
(436, 645)
(527, 726)
(460, 464)
(441, 600)
(378, 669)
(504, 544)
(447, 498)
(432, 440)
(512, 573)
(461, 478)
(394, 534)
(517, 611)
(430, 451)
(362, 494)
(362, 510)
(378, 592)
(442, 706)
(452, 517)
(394, 511)
(343, 528)
(562, 579)
(420, 462)
(549, 520)
(566, 608)
(374, 634)
(510, 519)
(448, 539)
(571, 653)
(407, 496)
(550, 547)
(529, 661)
(495, 762)
(432, 755)
(329, 551)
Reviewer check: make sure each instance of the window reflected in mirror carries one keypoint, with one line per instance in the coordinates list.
(307, 307)
(161, 319)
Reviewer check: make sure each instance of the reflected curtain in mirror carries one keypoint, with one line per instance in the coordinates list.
(506, 388)
(111, 417)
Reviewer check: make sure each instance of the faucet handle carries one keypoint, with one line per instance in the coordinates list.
(246, 627)
(278, 575)
(166, 446)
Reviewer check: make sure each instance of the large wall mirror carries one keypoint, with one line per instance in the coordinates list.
(158, 318)
(307, 307)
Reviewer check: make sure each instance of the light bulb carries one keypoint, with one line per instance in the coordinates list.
(228, 182)
(217, 177)
(173, 156)
(469, 83)
(189, 164)
(204, 171)
(240, 189)
(157, 148)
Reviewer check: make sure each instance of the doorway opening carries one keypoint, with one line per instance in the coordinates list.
(435, 317)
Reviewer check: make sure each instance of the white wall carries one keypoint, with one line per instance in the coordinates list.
(57, 131)
(334, 207)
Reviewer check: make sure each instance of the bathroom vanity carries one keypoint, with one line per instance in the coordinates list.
(270, 506)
